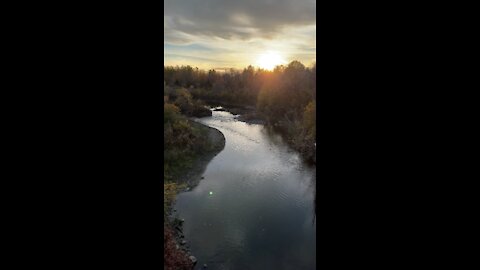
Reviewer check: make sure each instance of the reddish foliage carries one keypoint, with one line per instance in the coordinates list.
(174, 259)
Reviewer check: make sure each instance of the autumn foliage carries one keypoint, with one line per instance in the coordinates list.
(174, 259)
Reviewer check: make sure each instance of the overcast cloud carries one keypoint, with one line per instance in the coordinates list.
(234, 25)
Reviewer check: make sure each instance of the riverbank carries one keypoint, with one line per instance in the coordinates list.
(176, 252)
(256, 197)
(293, 135)
(244, 113)
(215, 142)
(296, 139)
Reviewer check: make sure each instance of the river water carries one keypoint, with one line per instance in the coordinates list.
(255, 208)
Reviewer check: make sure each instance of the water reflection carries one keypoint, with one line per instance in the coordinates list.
(314, 184)
(260, 212)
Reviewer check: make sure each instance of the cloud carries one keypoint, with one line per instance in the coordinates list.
(235, 33)
(180, 56)
(233, 19)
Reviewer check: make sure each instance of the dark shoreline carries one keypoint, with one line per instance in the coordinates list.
(245, 113)
(191, 177)
(249, 115)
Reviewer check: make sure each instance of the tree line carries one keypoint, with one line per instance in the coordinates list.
(285, 97)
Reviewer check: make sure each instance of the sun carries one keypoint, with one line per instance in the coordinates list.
(269, 60)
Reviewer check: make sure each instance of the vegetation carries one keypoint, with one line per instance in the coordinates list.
(285, 97)
(182, 98)
(170, 189)
(183, 142)
(174, 259)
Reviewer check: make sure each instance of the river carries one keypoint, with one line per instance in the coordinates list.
(255, 207)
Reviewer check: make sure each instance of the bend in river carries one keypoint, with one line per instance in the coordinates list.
(255, 207)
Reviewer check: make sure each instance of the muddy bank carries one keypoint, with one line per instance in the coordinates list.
(268, 171)
(190, 178)
(216, 141)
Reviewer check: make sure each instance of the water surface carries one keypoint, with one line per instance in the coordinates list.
(255, 207)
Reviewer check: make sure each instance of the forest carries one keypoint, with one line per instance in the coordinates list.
(284, 97)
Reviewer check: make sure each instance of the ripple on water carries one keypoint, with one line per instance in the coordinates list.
(261, 208)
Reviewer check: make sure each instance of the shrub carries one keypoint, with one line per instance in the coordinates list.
(170, 113)
(309, 116)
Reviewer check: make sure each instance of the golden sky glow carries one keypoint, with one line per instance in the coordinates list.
(234, 34)
(270, 60)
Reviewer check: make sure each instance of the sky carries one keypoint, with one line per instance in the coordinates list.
(236, 33)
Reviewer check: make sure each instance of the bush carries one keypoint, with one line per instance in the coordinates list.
(199, 110)
(183, 99)
(170, 113)
(309, 119)
(170, 189)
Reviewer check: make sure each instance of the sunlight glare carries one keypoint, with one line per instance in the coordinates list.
(270, 60)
